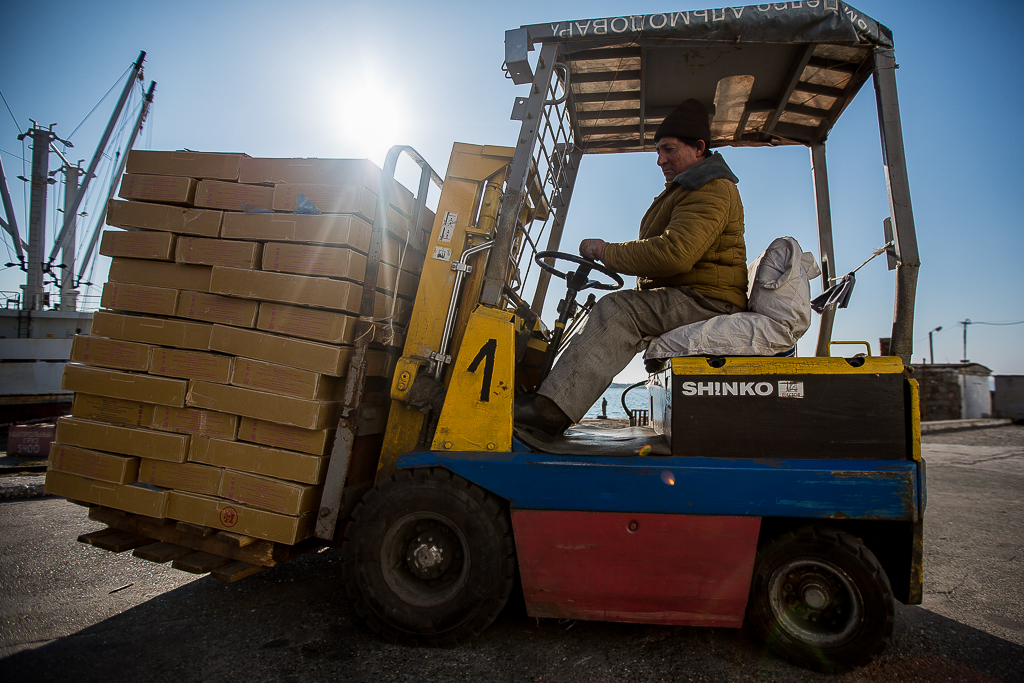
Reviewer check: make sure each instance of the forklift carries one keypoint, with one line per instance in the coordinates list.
(798, 515)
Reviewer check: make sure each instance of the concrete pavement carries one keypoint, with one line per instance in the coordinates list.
(67, 609)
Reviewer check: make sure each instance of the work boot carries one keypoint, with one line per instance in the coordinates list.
(540, 415)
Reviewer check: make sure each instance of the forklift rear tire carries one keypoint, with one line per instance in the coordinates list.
(429, 558)
(822, 600)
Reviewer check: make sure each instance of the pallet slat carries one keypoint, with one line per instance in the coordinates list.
(263, 553)
(114, 540)
(161, 552)
(237, 540)
(197, 529)
(235, 571)
(199, 562)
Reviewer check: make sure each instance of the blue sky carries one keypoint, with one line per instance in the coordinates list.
(350, 79)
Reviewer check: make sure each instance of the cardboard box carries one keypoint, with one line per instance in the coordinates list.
(308, 323)
(217, 309)
(387, 306)
(142, 443)
(158, 331)
(395, 252)
(269, 462)
(139, 499)
(139, 298)
(239, 519)
(318, 172)
(293, 353)
(391, 279)
(312, 441)
(346, 230)
(291, 289)
(298, 412)
(211, 367)
(124, 385)
(195, 422)
(113, 410)
(115, 469)
(307, 259)
(218, 165)
(139, 244)
(180, 476)
(176, 219)
(280, 379)
(216, 194)
(264, 493)
(158, 274)
(110, 353)
(339, 199)
(211, 252)
(158, 188)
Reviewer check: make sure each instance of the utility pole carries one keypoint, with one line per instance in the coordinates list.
(931, 348)
(68, 293)
(32, 299)
(965, 322)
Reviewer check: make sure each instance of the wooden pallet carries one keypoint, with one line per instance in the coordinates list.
(189, 547)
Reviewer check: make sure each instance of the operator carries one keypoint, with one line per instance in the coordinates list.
(690, 262)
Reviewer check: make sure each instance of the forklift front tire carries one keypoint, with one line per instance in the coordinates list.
(428, 558)
(822, 600)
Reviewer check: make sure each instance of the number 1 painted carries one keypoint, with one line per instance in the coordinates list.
(487, 352)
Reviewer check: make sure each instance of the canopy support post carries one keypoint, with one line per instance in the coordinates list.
(819, 172)
(561, 208)
(898, 185)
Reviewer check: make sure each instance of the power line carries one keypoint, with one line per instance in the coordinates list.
(14, 154)
(15, 118)
(975, 322)
(91, 111)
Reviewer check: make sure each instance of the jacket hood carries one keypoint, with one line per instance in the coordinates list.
(712, 168)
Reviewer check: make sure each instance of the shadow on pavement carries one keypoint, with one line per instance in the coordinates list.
(292, 623)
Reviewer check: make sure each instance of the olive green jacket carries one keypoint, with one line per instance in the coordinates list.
(692, 235)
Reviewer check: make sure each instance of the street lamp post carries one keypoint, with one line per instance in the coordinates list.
(931, 349)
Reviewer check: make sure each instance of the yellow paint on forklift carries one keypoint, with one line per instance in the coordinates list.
(477, 414)
(915, 419)
(468, 168)
(745, 365)
(476, 167)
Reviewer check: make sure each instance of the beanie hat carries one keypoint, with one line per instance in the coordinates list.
(688, 121)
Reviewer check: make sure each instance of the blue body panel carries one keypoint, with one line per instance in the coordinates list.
(843, 489)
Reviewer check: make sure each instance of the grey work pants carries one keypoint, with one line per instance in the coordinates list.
(614, 332)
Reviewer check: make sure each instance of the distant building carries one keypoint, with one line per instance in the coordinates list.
(1008, 400)
(954, 391)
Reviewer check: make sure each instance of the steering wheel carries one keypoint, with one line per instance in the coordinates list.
(579, 277)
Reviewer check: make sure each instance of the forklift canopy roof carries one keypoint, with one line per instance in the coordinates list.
(772, 74)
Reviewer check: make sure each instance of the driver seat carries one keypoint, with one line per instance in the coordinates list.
(778, 311)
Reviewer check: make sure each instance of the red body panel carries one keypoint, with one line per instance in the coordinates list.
(647, 568)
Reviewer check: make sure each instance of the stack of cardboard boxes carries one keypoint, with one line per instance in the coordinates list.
(209, 389)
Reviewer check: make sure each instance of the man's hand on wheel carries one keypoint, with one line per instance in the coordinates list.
(593, 249)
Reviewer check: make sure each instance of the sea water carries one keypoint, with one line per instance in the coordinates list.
(636, 399)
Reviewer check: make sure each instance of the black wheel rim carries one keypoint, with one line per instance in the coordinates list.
(425, 559)
(816, 602)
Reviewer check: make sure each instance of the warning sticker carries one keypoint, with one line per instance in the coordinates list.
(789, 389)
(442, 253)
(447, 227)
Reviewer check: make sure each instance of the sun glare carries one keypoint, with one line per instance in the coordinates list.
(365, 114)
